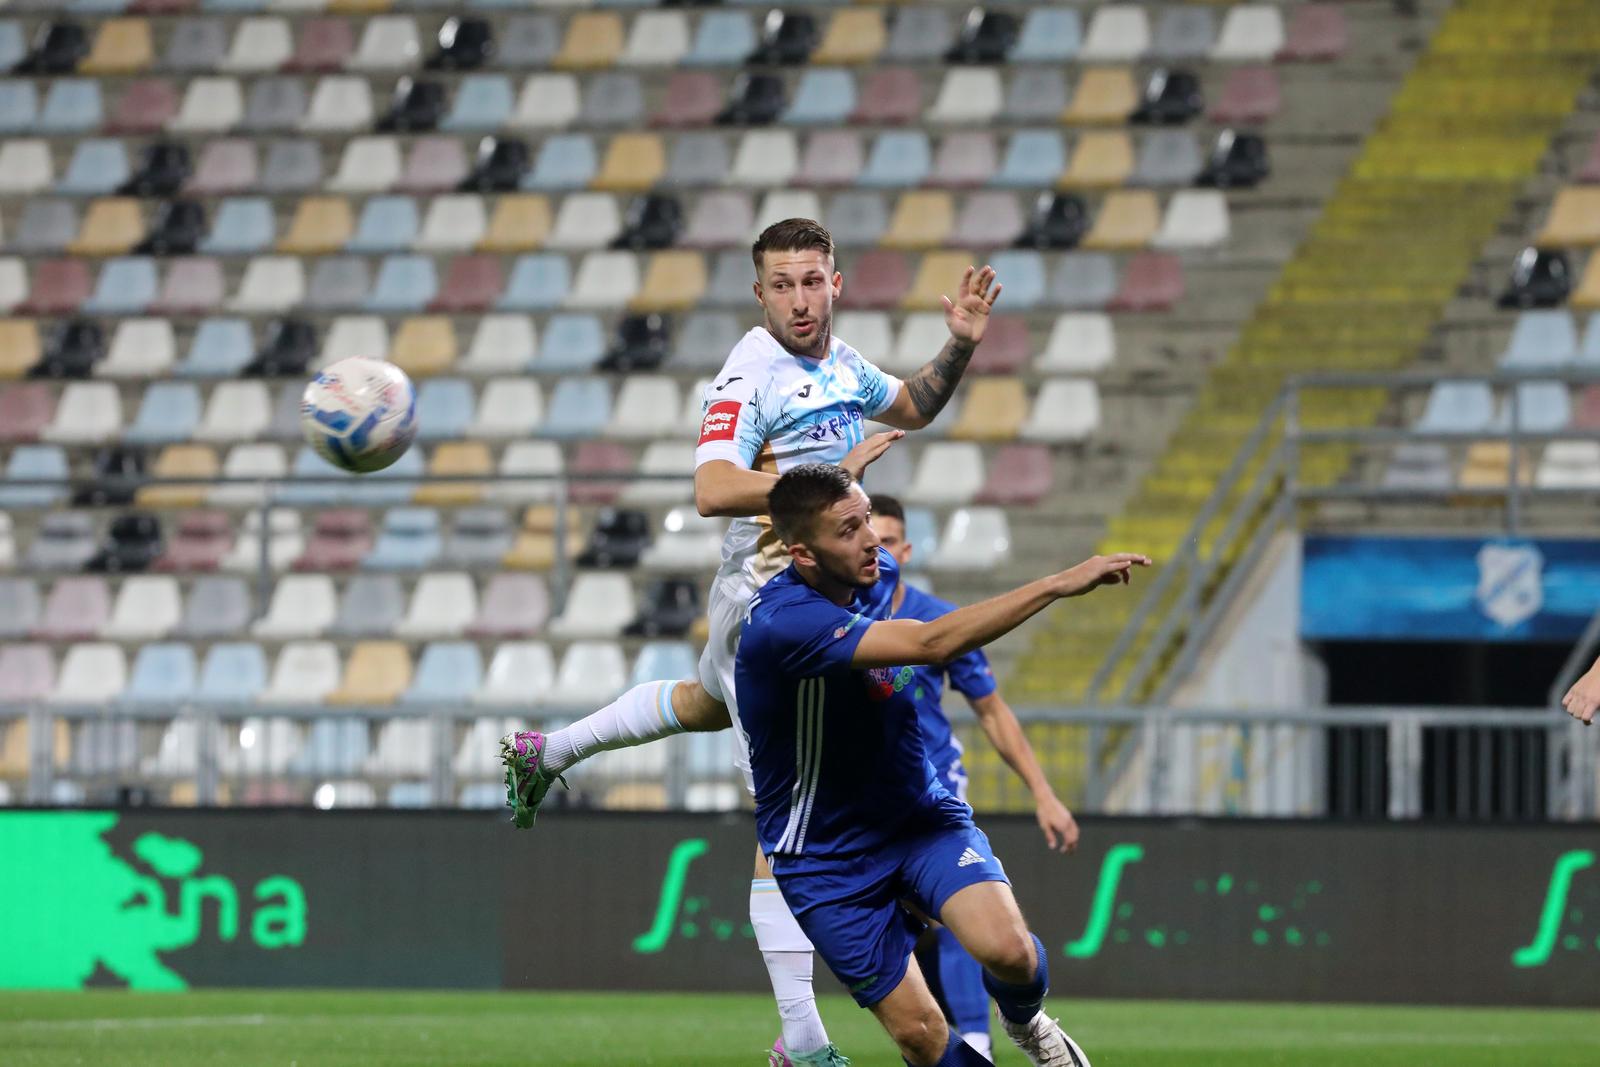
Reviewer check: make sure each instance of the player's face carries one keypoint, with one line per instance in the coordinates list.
(843, 542)
(797, 291)
(892, 533)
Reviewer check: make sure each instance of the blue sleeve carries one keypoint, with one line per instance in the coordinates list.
(970, 675)
(812, 636)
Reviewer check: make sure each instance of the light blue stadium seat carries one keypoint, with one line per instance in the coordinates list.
(232, 5)
(899, 158)
(483, 102)
(405, 283)
(71, 106)
(1542, 407)
(663, 661)
(825, 97)
(537, 282)
(96, 167)
(410, 795)
(1024, 274)
(126, 286)
(241, 224)
(579, 407)
(445, 408)
(333, 746)
(483, 795)
(307, 464)
(565, 161)
(723, 39)
(408, 541)
(98, 7)
(1048, 35)
(220, 349)
(168, 412)
(710, 754)
(573, 343)
(922, 530)
(1458, 407)
(1589, 354)
(448, 672)
(19, 106)
(12, 46)
(1541, 339)
(33, 461)
(1082, 280)
(387, 224)
(1033, 158)
(233, 672)
(162, 674)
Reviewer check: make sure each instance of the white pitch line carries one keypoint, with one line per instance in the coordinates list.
(138, 1023)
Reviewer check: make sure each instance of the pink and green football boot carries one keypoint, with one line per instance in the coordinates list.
(526, 782)
(828, 1056)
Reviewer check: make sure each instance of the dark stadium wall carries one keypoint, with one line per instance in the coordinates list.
(1147, 908)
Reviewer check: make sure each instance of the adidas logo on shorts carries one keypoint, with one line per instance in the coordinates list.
(969, 857)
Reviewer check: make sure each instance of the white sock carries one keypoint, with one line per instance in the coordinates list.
(788, 955)
(642, 714)
(980, 1044)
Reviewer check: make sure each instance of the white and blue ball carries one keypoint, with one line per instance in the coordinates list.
(360, 414)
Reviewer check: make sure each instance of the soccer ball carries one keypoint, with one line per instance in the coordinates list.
(360, 414)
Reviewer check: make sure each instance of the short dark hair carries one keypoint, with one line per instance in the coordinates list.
(887, 507)
(801, 494)
(792, 235)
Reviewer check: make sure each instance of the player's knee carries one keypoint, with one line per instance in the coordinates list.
(1010, 955)
(921, 1033)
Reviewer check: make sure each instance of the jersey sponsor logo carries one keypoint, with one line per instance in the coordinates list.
(885, 682)
(834, 426)
(720, 421)
(969, 857)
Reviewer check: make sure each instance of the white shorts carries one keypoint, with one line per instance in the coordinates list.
(725, 610)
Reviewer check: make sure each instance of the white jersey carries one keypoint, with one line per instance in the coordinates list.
(770, 410)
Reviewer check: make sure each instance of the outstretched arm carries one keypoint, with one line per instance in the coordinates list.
(926, 392)
(906, 642)
(1583, 699)
(1000, 723)
(722, 487)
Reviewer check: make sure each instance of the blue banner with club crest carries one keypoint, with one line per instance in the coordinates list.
(1448, 588)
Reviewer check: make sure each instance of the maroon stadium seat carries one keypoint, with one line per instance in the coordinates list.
(513, 605)
(25, 410)
(339, 541)
(691, 98)
(202, 539)
(831, 157)
(226, 166)
(144, 106)
(1590, 171)
(1005, 348)
(966, 158)
(435, 165)
(890, 97)
(877, 280)
(598, 457)
(76, 609)
(471, 283)
(323, 45)
(1586, 412)
(160, 7)
(27, 673)
(987, 219)
(1018, 474)
(1249, 95)
(1154, 282)
(193, 284)
(59, 286)
(1316, 31)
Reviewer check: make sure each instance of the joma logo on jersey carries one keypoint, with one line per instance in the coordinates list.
(885, 682)
(720, 420)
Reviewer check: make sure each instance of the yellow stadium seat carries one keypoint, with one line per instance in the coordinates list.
(1104, 95)
(1128, 218)
(635, 796)
(634, 162)
(456, 458)
(535, 546)
(1574, 219)
(121, 47)
(921, 220)
(15, 758)
(321, 225)
(358, 7)
(180, 461)
(593, 41)
(1102, 158)
(994, 410)
(110, 227)
(1586, 296)
(851, 37)
(939, 274)
(424, 345)
(376, 673)
(19, 346)
(674, 281)
(1488, 466)
(519, 223)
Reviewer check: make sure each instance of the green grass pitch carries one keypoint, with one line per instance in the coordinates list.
(411, 1029)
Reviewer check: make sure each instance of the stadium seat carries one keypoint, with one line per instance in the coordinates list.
(471, 283)
(285, 542)
(148, 606)
(76, 609)
(1066, 410)
(898, 159)
(305, 673)
(19, 608)
(175, 462)
(612, 99)
(1541, 339)
(25, 411)
(442, 605)
(704, 339)
(880, 278)
(1019, 475)
(210, 105)
(91, 673)
(633, 162)
(1128, 219)
(434, 165)
(233, 673)
(537, 283)
(520, 672)
(565, 161)
(889, 96)
(270, 284)
(241, 224)
(513, 605)
(1183, 33)
(948, 473)
(145, 106)
(832, 158)
(126, 286)
(593, 41)
(646, 407)
(1571, 221)
(605, 280)
(1540, 407)
(482, 102)
(1250, 33)
(974, 539)
(1458, 408)
(45, 226)
(27, 673)
(966, 159)
(388, 42)
(259, 44)
(71, 105)
(274, 104)
(292, 166)
(598, 605)
(1104, 96)
(367, 165)
(110, 226)
(338, 282)
(448, 673)
(321, 225)
(1032, 158)
(220, 349)
(1153, 282)
(302, 605)
(968, 96)
(64, 541)
(546, 102)
(408, 540)
(1079, 343)
(1101, 158)
(592, 674)
(1250, 95)
(1195, 218)
(225, 166)
(660, 462)
(404, 283)
(1569, 465)
(655, 39)
(921, 220)
(479, 537)
(1419, 466)
(25, 167)
(323, 45)
(217, 607)
(1317, 32)
(992, 411)
(1487, 466)
(766, 158)
(162, 674)
(13, 291)
(86, 413)
(687, 541)
(586, 220)
(195, 44)
(376, 673)
(168, 412)
(19, 106)
(193, 285)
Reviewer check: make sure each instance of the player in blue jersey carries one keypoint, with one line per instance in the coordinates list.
(954, 976)
(849, 811)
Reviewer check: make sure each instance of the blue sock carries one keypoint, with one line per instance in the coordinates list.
(959, 1054)
(1019, 1003)
(961, 982)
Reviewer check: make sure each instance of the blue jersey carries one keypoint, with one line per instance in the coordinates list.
(836, 751)
(969, 675)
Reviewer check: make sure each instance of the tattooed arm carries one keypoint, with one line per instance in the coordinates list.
(926, 392)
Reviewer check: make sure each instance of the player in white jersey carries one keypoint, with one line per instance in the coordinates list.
(789, 393)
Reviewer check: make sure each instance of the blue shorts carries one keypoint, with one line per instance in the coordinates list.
(850, 906)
